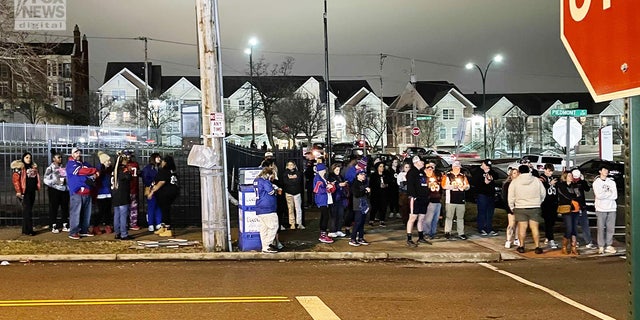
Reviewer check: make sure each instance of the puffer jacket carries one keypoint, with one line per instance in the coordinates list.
(19, 178)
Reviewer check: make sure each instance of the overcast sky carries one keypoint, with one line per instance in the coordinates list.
(441, 35)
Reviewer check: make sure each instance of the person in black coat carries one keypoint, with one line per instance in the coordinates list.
(292, 186)
(379, 182)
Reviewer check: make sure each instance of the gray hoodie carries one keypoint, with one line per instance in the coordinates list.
(526, 191)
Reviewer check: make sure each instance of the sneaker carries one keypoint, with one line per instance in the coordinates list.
(325, 239)
(74, 236)
(447, 235)
(517, 242)
(507, 244)
(332, 235)
(520, 249)
(97, 231)
(610, 249)
(538, 250)
(134, 228)
(269, 250)
(282, 228)
(411, 244)
(65, 227)
(340, 234)
(398, 215)
(483, 233)
(391, 214)
(425, 241)
(354, 243)
(54, 229)
(292, 227)
(166, 233)
(383, 224)
(462, 237)
(126, 238)
(601, 250)
(160, 230)
(151, 229)
(301, 227)
(493, 233)
(86, 235)
(279, 245)
(363, 242)
(546, 241)
(553, 244)
(117, 237)
(590, 246)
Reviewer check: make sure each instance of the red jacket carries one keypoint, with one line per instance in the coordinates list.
(20, 176)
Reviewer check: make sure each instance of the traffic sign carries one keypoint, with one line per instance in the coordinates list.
(601, 38)
(424, 118)
(560, 132)
(569, 113)
(415, 131)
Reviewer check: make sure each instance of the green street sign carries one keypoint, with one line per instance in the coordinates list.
(424, 118)
(570, 105)
(568, 113)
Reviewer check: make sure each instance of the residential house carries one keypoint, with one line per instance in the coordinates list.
(363, 113)
(178, 116)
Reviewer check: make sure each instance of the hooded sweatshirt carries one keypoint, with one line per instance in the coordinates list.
(606, 194)
(526, 191)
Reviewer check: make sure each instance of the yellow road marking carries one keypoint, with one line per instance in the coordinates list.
(316, 308)
(126, 301)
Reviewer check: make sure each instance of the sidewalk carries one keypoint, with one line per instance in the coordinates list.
(387, 243)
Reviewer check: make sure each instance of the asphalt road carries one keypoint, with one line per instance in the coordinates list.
(333, 290)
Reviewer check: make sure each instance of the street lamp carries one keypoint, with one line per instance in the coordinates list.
(497, 58)
(252, 43)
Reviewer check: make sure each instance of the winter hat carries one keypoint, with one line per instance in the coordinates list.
(415, 159)
(487, 162)
(321, 166)
(75, 149)
(456, 164)
(103, 157)
(362, 163)
(268, 154)
(576, 173)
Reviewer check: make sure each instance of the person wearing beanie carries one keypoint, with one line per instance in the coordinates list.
(26, 182)
(102, 220)
(583, 220)
(322, 199)
(360, 190)
(55, 178)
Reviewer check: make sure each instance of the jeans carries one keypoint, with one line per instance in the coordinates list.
(584, 225)
(79, 213)
(120, 214)
(337, 217)
(294, 201)
(433, 214)
(606, 227)
(457, 210)
(486, 208)
(571, 225)
(154, 215)
(358, 229)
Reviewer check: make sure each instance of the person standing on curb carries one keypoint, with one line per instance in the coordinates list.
(582, 186)
(26, 182)
(55, 178)
(321, 189)
(567, 195)
(340, 201)
(361, 192)
(149, 173)
(403, 196)
(606, 194)
(292, 185)
(485, 186)
(266, 208)
(166, 188)
(81, 178)
(379, 184)
(418, 190)
(549, 205)
(103, 186)
(133, 166)
(120, 189)
(525, 197)
(435, 201)
(455, 184)
(512, 226)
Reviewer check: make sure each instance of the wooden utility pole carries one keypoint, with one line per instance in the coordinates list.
(209, 157)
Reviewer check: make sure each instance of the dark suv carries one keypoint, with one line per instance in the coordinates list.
(616, 171)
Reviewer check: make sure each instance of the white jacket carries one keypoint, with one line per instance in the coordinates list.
(606, 194)
(526, 191)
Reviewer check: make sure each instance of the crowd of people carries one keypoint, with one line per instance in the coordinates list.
(371, 190)
(73, 187)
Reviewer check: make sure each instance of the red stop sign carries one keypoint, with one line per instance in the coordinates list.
(601, 36)
(415, 131)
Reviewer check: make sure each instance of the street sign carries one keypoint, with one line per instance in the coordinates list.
(424, 118)
(570, 105)
(601, 38)
(216, 120)
(415, 131)
(569, 113)
(560, 132)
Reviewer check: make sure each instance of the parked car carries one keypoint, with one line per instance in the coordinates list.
(470, 169)
(446, 155)
(414, 151)
(341, 151)
(538, 162)
(589, 170)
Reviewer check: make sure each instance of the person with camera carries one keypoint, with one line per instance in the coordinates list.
(549, 205)
(485, 186)
(81, 178)
(361, 190)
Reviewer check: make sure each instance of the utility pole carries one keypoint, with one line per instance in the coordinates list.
(382, 114)
(146, 82)
(414, 112)
(326, 81)
(210, 156)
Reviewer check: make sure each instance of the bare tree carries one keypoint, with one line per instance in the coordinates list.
(34, 108)
(516, 133)
(428, 128)
(358, 119)
(299, 115)
(272, 87)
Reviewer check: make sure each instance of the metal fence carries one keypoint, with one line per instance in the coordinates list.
(26, 132)
(186, 209)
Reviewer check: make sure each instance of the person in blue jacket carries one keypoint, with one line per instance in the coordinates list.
(321, 189)
(266, 207)
(149, 173)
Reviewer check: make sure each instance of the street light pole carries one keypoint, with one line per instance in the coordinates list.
(252, 43)
(483, 74)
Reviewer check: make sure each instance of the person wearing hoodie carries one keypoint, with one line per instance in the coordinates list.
(266, 207)
(606, 194)
(583, 221)
(103, 197)
(55, 178)
(149, 173)
(525, 198)
(322, 190)
(120, 188)
(26, 182)
(81, 179)
(292, 185)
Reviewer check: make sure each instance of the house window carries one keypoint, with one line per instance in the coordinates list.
(227, 103)
(454, 133)
(4, 88)
(19, 89)
(68, 105)
(118, 95)
(442, 135)
(67, 89)
(448, 114)
(126, 116)
(66, 70)
(241, 105)
(4, 72)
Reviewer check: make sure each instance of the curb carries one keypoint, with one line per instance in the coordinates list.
(430, 257)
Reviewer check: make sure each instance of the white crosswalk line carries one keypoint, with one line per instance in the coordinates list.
(316, 308)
